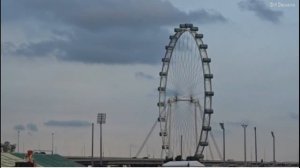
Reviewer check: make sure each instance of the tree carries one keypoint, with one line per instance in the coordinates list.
(7, 147)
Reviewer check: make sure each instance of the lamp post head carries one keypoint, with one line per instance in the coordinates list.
(244, 125)
(101, 118)
(222, 125)
(272, 133)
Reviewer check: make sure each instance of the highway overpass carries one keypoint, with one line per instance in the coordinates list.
(154, 162)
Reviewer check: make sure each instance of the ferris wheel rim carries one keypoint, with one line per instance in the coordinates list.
(207, 82)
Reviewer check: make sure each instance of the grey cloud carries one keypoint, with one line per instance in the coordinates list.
(112, 32)
(142, 75)
(69, 123)
(96, 15)
(124, 46)
(261, 10)
(37, 49)
(19, 127)
(7, 47)
(32, 127)
(208, 16)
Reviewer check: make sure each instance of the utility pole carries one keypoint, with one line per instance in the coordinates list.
(273, 136)
(52, 135)
(222, 127)
(92, 145)
(18, 141)
(181, 146)
(255, 138)
(245, 149)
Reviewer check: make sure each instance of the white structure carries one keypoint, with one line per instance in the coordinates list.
(183, 164)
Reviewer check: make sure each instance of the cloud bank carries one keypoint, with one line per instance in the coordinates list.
(32, 127)
(261, 10)
(106, 31)
(19, 127)
(142, 75)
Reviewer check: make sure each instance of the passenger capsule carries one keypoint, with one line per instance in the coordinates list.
(206, 128)
(161, 119)
(209, 93)
(165, 147)
(160, 104)
(177, 30)
(203, 46)
(182, 25)
(165, 59)
(208, 111)
(203, 143)
(209, 76)
(199, 35)
(188, 25)
(172, 37)
(162, 73)
(207, 60)
(163, 133)
(194, 29)
(169, 47)
(161, 89)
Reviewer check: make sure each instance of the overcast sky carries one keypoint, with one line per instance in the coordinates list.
(62, 62)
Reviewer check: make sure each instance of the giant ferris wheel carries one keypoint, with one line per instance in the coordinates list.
(185, 94)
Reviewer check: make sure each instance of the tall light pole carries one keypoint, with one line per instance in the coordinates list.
(101, 120)
(272, 133)
(255, 140)
(245, 149)
(92, 144)
(52, 136)
(18, 141)
(181, 146)
(222, 127)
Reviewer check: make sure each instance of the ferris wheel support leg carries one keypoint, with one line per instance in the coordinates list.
(211, 153)
(216, 145)
(196, 126)
(198, 142)
(146, 139)
(169, 136)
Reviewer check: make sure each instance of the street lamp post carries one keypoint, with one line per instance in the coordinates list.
(181, 146)
(101, 120)
(255, 140)
(92, 144)
(273, 136)
(52, 136)
(245, 149)
(18, 140)
(222, 127)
